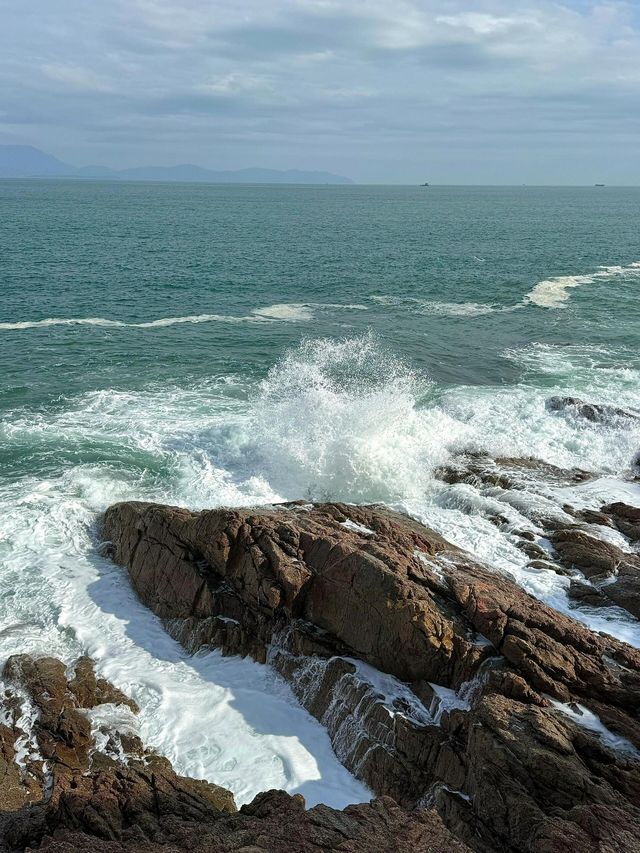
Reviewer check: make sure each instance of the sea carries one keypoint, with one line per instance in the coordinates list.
(218, 345)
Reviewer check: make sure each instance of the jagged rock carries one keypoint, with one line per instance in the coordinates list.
(91, 691)
(505, 472)
(594, 412)
(587, 594)
(616, 572)
(594, 557)
(140, 804)
(549, 565)
(625, 518)
(532, 549)
(470, 728)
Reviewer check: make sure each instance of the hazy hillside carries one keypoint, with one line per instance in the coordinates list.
(25, 161)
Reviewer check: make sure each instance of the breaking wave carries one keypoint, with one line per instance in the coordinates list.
(341, 419)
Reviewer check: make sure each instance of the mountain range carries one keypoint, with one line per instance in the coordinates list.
(25, 161)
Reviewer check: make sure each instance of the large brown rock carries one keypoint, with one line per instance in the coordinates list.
(626, 518)
(470, 728)
(615, 573)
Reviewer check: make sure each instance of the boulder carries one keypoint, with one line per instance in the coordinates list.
(475, 713)
(615, 573)
(625, 518)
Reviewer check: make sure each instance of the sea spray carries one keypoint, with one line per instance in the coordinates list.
(341, 419)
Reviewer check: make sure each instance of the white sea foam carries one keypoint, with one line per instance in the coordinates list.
(283, 312)
(120, 324)
(554, 292)
(550, 293)
(339, 419)
(590, 721)
(300, 311)
(228, 720)
(459, 309)
(444, 309)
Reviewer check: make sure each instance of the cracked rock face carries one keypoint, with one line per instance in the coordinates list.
(67, 788)
(441, 683)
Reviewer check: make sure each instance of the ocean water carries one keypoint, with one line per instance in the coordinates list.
(239, 345)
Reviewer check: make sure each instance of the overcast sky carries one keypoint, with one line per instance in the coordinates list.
(493, 91)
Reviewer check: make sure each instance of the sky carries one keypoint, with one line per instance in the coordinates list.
(383, 91)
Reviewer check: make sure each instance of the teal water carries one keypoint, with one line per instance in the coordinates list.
(208, 345)
(137, 253)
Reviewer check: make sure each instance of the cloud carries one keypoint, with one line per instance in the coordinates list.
(75, 77)
(382, 90)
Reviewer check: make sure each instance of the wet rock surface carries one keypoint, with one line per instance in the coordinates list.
(517, 724)
(564, 539)
(507, 472)
(612, 574)
(67, 788)
(594, 412)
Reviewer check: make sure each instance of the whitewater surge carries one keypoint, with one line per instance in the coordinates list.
(231, 721)
(340, 419)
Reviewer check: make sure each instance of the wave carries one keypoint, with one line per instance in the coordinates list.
(343, 419)
(284, 312)
(553, 292)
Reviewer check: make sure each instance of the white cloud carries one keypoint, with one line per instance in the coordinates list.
(138, 80)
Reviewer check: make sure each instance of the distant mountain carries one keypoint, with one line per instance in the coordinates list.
(21, 161)
(25, 161)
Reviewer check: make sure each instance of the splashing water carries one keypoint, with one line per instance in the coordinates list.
(334, 418)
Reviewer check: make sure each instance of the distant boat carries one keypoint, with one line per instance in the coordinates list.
(424, 185)
(599, 185)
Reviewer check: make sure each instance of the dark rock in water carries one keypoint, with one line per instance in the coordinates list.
(84, 800)
(532, 550)
(593, 556)
(615, 572)
(594, 517)
(528, 535)
(482, 471)
(468, 728)
(594, 412)
(90, 691)
(586, 593)
(625, 518)
(548, 565)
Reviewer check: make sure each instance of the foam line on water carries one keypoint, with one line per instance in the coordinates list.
(554, 292)
(444, 309)
(283, 312)
(550, 293)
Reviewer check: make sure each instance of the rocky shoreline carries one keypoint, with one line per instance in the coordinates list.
(479, 717)
(70, 784)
